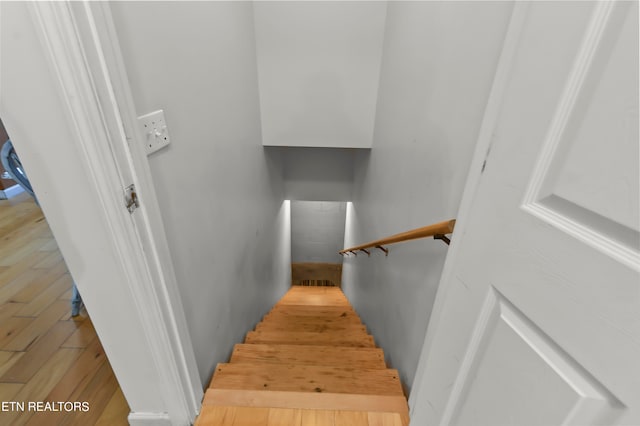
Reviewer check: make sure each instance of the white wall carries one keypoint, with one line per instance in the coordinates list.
(438, 65)
(317, 231)
(319, 64)
(220, 191)
(318, 174)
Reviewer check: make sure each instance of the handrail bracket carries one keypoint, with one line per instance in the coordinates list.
(386, 251)
(442, 237)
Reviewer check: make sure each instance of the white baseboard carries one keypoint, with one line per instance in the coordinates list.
(10, 192)
(149, 419)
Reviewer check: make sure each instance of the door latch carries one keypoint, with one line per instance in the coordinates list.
(131, 198)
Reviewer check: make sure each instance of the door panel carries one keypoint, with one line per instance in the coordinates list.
(539, 319)
(509, 349)
(588, 173)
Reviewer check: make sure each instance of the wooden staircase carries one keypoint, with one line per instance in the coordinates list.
(309, 362)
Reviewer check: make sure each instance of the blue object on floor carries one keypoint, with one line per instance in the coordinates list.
(13, 166)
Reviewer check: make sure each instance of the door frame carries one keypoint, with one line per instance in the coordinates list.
(84, 53)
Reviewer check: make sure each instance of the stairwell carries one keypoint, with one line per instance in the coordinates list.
(310, 361)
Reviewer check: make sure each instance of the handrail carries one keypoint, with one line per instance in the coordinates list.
(437, 230)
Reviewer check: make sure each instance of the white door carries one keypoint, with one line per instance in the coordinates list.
(538, 317)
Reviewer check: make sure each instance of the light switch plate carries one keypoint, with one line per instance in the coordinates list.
(155, 131)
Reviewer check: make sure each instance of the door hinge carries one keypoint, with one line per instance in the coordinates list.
(131, 198)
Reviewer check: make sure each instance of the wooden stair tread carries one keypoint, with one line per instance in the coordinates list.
(308, 362)
(370, 358)
(316, 326)
(313, 319)
(214, 415)
(316, 302)
(306, 378)
(309, 401)
(342, 313)
(312, 309)
(328, 338)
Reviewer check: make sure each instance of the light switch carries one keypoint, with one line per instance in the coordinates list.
(155, 130)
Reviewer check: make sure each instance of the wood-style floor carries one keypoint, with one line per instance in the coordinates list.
(45, 354)
(309, 362)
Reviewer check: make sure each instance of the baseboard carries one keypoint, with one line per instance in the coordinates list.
(149, 419)
(10, 192)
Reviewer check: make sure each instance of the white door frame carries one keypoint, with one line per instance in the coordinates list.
(85, 59)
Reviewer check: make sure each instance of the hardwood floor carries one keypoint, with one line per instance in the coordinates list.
(45, 354)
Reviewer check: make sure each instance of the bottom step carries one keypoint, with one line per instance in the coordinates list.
(245, 416)
(308, 401)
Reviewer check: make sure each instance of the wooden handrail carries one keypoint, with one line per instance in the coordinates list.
(441, 228)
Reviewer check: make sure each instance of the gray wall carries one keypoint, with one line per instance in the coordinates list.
(220, 192)
(437, 70)
(317, 231)
(318, 174)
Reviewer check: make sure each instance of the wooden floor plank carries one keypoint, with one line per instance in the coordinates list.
(54, 258)
(15, 254)
(12, 272)
(7, 310)
(84, 335)
(26, 231)
(39, 283)
(19, 283)
(116, 411)
(23, 370)
(78, 378)
(8, 391)
(82, 316)
(8, 359)
(52, 292)
(31, 284)
(37, 328)
(10, 328)
(50, 246)
(44, 380)
(97, 393)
